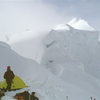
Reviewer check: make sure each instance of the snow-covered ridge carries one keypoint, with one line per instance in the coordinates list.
(76, 23)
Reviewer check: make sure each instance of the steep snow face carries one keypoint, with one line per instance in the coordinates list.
(80, 47)
(80, 24)
(25, 68)
(72, 56)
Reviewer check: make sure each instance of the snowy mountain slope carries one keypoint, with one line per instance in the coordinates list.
(79, 46)
(25, 68)
(46, 85)
(56, 89)
(73, 56)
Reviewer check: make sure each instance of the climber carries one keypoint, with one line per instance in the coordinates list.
(33, 97)
(9, 76)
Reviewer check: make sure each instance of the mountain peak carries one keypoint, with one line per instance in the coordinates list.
(80, 24)
(75, 23)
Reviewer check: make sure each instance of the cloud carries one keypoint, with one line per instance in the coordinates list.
(18, 16)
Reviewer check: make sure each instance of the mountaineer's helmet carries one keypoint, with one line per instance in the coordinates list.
(8, 68)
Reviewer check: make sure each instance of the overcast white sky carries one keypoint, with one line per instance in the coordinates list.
(86, 9)
(16, 16)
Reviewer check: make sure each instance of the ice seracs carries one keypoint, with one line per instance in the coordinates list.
(80, 24)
